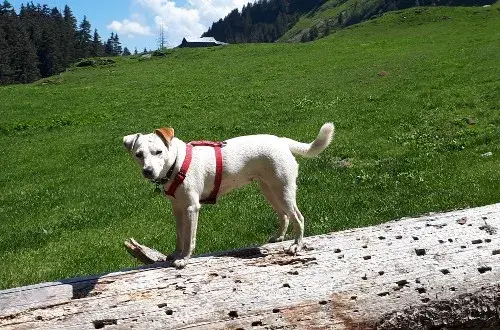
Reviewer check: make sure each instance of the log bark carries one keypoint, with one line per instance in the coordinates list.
(439, 271)
(144, 254)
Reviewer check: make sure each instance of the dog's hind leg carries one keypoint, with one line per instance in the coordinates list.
(286, 197)
(298, 225)
(283, 219)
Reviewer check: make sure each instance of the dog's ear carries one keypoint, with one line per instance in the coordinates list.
(166, 134)
(129, 140)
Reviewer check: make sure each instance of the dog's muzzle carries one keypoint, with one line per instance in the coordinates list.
(148, 173)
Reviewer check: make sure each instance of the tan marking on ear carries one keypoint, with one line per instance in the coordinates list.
(166, 134)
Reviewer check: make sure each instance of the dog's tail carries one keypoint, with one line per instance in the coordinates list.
(314, 148)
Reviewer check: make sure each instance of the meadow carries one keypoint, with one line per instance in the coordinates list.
(414, 95)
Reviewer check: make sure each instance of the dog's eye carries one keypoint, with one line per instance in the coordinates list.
(158, 152)
(139, 154)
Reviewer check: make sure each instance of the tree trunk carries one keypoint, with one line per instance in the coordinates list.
(439, 271)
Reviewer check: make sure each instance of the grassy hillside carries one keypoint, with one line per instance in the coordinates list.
(415, 96)
(333, 14)
(336, 14)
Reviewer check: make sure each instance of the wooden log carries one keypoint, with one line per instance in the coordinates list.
(431, 272)
(144, 254)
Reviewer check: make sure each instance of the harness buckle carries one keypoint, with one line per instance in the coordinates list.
(180, 175)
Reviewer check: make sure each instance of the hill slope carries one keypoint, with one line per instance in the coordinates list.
(337, 14)
(414, 96)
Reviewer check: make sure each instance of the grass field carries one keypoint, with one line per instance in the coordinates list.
(415, 96)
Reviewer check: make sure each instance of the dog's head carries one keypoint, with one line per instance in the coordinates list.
(151, 151)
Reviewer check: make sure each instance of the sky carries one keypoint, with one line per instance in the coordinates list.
(138, 22)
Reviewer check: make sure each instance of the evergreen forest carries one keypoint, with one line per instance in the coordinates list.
(39, 41)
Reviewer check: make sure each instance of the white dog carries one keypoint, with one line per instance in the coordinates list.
(266, 159)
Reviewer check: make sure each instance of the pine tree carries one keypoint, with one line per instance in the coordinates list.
(49, 63)
(247, 25)
(108, 47)
(56, 28)
(126, 52)
(135, 51)
(47, 43)
(113, 46)
(96, 48)
(83, 39)
(117, 48)
(68, 45)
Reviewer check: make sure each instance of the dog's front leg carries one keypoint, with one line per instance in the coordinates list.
(179, 230)
(190, 224)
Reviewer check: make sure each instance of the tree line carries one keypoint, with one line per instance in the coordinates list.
(268, 20)
(262, 21)
(41, 41)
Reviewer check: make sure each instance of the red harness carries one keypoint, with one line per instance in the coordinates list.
(181, 175)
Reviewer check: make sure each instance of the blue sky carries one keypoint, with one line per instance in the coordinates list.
(138, 22)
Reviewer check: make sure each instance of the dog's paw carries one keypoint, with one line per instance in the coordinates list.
(293, 249)
(276, 239)
(180, 263)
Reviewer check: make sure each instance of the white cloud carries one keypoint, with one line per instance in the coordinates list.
(130, 28)
(190, 19)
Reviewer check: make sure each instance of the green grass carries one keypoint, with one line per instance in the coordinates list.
(70, 194)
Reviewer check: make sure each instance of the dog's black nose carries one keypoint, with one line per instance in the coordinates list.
(148, 173)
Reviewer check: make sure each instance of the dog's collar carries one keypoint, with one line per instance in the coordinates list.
(167, 177)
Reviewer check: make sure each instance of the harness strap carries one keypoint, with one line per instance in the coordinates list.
(212, 198)
(181, 175)
(204, 143)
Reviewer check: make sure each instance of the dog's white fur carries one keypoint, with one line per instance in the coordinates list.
(266, 159)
